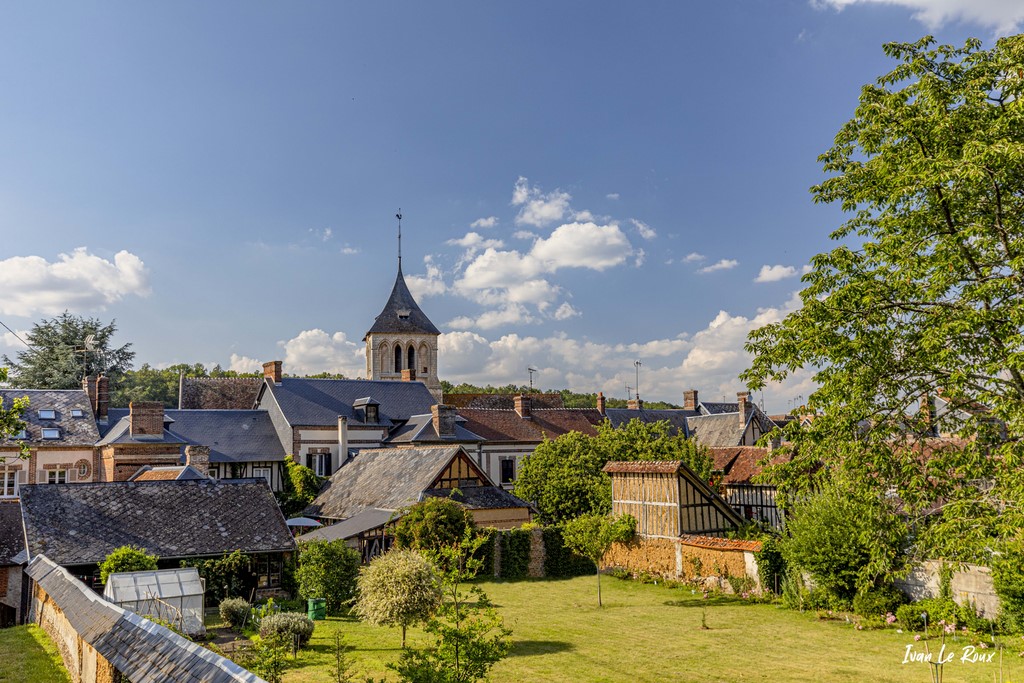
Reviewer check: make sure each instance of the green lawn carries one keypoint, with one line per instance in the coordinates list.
(28, 654)
(653, 633)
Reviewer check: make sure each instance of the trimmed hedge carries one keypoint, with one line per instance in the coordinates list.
(559, 561)
(515, 553)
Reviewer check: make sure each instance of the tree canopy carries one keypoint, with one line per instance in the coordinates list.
(591, 536)
(58, 357)
(563, 476)
(398, 588)
(10, 415)
(127, 559)
(922, 296)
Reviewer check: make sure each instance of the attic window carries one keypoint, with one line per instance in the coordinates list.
(51, 433)
(404, 313)
(77, 412)
(371, 414)
(23, 434)
(47, 414)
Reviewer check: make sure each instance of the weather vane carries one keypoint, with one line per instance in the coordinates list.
(399, 217)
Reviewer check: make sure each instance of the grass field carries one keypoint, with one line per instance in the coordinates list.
(28, 654)
(653, 633)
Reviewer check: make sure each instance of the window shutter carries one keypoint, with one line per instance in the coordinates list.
(309, 460)
(327, 464)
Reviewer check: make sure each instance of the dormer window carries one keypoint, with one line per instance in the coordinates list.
(77, 412)
(404, 313)
(47, 414)
(372, 414)
(51, 433)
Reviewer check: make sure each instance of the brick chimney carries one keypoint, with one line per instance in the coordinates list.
(89, 387)
(146, 418)
(444, 419)
(635, 403)
(745, 406)
(600, 402)
(523, 406)
(272, 371)
(690, 401)
(103, 397)
(199, 458)
(409, 375)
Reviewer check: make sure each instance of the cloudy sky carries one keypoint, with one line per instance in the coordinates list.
(584, 184)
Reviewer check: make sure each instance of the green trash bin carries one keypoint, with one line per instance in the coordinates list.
(317, 609)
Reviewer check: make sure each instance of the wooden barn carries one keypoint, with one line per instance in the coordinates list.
(668, 500)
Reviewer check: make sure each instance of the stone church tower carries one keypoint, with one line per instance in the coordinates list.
(402, 343)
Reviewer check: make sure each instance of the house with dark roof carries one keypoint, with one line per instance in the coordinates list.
(321, 422)
(217, 393)
(78, 525)
(735, 467)
(724, 424)
(373, 486)
(60, 432)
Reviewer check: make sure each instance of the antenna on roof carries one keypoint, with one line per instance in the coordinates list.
(637, 364)
(88, 346)
(531, 370)
(629, 392)
(399, 217)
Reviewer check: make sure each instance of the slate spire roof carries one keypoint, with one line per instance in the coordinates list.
(401, 314)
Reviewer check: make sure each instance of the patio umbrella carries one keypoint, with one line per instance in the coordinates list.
(303, 521)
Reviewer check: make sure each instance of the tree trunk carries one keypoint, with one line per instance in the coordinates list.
(599, 587)
(403, 636)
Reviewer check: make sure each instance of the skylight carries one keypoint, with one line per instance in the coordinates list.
(51, 433)
(77, 412)
(47, 414)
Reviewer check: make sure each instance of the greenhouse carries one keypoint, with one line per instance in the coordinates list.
(171, 595)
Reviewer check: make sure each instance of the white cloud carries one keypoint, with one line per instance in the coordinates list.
(484, 223)
(641, 256)
(423, 286)
(525, 235)
(724, 264)
(77, 282)
(612, 195)
(314, 351)
(348, 251)
(583, 245)
(474, 241)
(538, 209)
(565, 311)
(1003, 16)
(775, 273)
(512, 314)
(693, 257)
(646, 231)
(244, 364)
(709, 360)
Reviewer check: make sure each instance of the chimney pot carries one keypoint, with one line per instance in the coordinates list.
(743, 401)
(523, 405)
(199, 458)
(272, 371)
(444, 419)
(635, 404)
(600, 402)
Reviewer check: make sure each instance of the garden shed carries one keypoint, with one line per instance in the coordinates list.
(172, 595)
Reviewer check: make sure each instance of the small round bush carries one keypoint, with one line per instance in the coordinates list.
(877, 602)
(234, 611)
(909, 617)
(287, 625)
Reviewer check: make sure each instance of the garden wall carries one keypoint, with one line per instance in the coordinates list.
(531, 553)
(102, 643)
(686, 558)
(971, 584)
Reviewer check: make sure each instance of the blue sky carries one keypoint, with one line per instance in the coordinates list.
(583, 183)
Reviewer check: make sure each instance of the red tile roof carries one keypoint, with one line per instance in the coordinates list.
(501, 401)
(713, 543)
(738, 464)
(506, 425)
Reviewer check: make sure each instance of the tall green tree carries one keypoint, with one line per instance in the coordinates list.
(328, 570)
(58, 357)
(923, 294)
(10, 415)
(563, 477)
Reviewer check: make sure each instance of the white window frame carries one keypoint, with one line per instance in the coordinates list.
(265, 472)
(8, 477)
(47, 414)
(57, 476)
(77, 412)
(51, 433)
(320, 461)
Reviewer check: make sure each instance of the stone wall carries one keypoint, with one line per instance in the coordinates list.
(971, 585)
(689, 558)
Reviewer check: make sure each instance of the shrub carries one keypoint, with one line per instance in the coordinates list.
(876, 602)
(515, 553)
(328, 570)
(234, 611)
(127, 558)
(225, 576)
(771, 566)
(399, 588)
(431, 525)
(1008, 580)
(287, 625)
(300, 487)
(559, 561)
(909, 617)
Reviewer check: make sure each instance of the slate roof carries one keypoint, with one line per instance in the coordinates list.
(502, 401)
(420, 429)
(719, 430)
(364, 520)
(140, 649)
(738, 464)
(219, 393)
(149, 473)
(644, 467)
(76, 524)
(713, 408)
(479, 497)
(676, 418)
(12, 535)
(314, 402)
(401, 314)
(232, 435)
(506, 425)
(74, 431)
